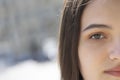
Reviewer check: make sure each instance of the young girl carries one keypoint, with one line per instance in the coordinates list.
(89, 46)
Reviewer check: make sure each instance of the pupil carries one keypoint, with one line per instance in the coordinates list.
(97, 36)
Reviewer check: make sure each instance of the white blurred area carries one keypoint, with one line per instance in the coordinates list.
(30, 70)
(29, 39)
(50, 48)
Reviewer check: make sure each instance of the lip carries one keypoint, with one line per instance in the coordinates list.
(114, 71)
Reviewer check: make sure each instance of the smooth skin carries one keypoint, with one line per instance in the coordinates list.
(99, 44)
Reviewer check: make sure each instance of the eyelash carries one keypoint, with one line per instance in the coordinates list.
(100, 34)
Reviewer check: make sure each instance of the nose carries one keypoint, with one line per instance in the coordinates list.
(115, 51)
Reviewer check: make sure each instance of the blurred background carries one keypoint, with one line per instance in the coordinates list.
(29, 39)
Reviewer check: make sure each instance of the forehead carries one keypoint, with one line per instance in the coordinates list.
(102, 11)
(104, 4)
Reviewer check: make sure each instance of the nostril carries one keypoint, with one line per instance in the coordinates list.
(115, 54)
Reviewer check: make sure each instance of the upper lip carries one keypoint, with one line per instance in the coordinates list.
(114, 69)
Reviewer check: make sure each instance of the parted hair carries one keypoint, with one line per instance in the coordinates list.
(70, 27)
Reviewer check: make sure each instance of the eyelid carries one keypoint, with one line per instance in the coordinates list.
(92, 34)
(85, 36)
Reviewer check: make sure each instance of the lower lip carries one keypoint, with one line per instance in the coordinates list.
(113, 73)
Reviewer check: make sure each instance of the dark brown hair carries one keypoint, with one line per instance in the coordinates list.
(69, 39)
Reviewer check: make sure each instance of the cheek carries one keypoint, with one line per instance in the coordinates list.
(91, 61)
(92, 58)
(95, 53)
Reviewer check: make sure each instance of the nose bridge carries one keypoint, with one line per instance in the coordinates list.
(116, 43)
(115, 49)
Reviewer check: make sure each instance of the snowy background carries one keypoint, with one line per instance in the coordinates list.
(30, 70)
(29, 39)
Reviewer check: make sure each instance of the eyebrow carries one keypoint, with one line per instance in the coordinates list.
(96, 26)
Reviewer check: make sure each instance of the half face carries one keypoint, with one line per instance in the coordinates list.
(99, 44)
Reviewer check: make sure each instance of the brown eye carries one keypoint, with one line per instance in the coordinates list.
(97, 36)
